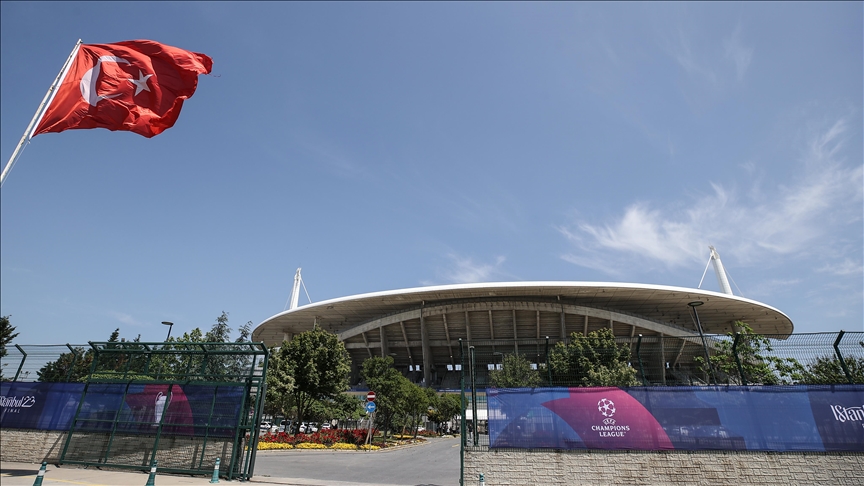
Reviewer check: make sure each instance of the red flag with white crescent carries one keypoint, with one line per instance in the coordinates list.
(137, 86)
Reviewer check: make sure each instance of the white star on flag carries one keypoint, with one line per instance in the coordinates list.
(140, 83)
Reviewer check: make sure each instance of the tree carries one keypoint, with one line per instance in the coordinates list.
(758, 367)
(67, 367)
(319, 364)
(7, 334)
(416, 404)
(826, 370)
(592, 360)
(444, 408)
(280, 383)
(389, 386)
(515, 372)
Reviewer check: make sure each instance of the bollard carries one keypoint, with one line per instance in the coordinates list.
(40, 474)
(151, 480)
(482, 480)
(215, 478)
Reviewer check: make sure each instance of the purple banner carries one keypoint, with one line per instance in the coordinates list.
(187, 409)
(763, 418)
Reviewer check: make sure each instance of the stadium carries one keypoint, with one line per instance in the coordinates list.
(420, 328)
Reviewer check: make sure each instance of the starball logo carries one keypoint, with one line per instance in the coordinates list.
(14, 404)
(609, 427)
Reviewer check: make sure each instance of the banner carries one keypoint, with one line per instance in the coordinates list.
(129, 408)
(755, 418)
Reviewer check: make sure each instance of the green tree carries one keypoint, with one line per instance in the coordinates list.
(416, 404)
(7, 334)
(67, 367)
(752, 351)
(515, 372)
(280, 383)
(390, 388)
(592, 360)
(320, 365)
(444, 408)
(826, 370)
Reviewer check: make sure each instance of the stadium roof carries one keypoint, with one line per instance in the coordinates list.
(662, 304)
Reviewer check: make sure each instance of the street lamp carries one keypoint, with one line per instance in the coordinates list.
(170, 326)
(693, 305)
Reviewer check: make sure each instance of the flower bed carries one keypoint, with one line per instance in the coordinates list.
(339, 439)
(324, 437)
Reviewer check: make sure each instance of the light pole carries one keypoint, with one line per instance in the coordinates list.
(693, 305)
(170, 326)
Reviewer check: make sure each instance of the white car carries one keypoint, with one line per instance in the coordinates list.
(266, 426)
(308, 428)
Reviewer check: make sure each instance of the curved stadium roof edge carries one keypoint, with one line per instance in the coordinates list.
(421, 327)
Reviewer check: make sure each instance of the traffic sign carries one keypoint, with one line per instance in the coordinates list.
(370, 407)
(370, 397)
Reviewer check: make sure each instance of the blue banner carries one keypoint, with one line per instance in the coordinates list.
(757, 418)
(187, 409)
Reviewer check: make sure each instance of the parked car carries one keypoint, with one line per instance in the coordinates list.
(265, 426)
(308, 428)
(325, 426)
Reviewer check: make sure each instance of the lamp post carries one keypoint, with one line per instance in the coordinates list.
(170, 326)
(693, 305)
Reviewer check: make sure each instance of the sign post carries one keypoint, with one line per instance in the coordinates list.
(370, 409)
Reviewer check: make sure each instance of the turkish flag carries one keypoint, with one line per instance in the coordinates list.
(137, 86)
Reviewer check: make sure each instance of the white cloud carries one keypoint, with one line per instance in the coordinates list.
(735, 51)
(846, 267)
(466, 270)
(785, 220)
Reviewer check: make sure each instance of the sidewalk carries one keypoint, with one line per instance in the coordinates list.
(24, 474)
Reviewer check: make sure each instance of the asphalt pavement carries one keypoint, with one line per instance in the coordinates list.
(433, 463)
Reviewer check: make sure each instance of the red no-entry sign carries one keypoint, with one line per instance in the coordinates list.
(370, 397)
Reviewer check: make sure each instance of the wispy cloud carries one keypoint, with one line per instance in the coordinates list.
(764, 221)
(465, 270)
(736, 52)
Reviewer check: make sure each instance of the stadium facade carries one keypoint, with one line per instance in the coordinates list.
(421, 327)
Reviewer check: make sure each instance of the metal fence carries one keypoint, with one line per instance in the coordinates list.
(737, 359)
(212, 397)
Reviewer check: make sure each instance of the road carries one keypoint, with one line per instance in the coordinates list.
(434, 463)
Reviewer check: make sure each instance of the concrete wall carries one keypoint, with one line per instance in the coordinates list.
(35, 446)
(663, 468)
(22, 445)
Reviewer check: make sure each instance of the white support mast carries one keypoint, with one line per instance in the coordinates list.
(722, 279)
(295, 292)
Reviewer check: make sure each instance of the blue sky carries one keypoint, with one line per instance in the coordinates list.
(391, 145)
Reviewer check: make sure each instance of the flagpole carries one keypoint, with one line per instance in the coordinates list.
(37, 117)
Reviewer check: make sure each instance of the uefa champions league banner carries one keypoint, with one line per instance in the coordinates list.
(753, 418)
(181, 409)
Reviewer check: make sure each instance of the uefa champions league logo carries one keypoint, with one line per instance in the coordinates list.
(609, 429)
(606, 407)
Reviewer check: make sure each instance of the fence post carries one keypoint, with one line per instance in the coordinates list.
(737, 359)
(548, 369)
(22, 362)
(475, 436)
(840, 357)
(462, 412)
(639, 359)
